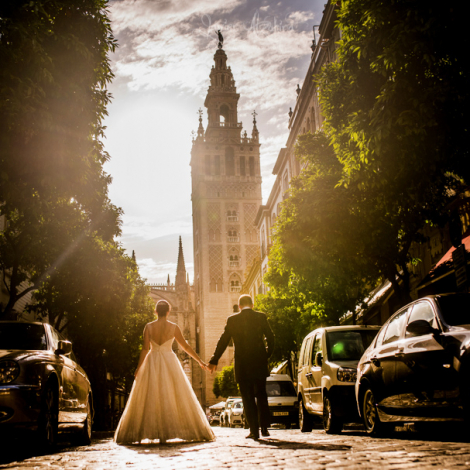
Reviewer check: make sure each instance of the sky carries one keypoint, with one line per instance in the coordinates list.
(161, 70)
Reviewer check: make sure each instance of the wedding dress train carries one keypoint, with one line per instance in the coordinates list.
(162, 404)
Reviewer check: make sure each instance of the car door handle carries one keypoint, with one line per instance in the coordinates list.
(375, 360)
(308, 375)
(400, 353)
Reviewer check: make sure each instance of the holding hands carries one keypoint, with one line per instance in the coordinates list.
(207, 367)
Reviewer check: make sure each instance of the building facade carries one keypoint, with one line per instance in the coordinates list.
(226, 195)
(306, 117)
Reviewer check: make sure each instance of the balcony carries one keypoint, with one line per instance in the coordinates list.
(235, 289)
(236, 125)
(233, 264)
(233, 239)
(232, 218)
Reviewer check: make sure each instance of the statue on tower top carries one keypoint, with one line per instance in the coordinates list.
(221, 39)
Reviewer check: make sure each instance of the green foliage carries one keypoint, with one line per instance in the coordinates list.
(317, 259)
(224, 383)
(392, 157)
(394, 104)
(291, 317)
(53, 190)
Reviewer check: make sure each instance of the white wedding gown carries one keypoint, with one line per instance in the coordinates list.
(162, 404)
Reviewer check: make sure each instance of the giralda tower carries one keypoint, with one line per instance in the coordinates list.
(226, 195)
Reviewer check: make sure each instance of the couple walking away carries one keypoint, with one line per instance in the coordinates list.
(162, 404)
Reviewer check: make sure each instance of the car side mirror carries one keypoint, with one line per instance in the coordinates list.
(421, 328)
(64, 348)
(318, 359)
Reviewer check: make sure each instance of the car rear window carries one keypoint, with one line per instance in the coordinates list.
(455, 309)
(22, 336)
(281, 388)
(348, 345)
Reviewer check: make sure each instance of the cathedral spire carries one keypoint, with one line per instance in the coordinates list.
(180, 269)
(254, 132)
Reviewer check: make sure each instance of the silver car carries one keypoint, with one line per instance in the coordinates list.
(327, 375)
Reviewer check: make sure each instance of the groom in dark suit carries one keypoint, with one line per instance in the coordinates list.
(248, 329)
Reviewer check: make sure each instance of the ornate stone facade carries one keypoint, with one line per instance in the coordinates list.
(226, 195)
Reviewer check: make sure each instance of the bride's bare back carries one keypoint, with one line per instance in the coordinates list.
(161, 331)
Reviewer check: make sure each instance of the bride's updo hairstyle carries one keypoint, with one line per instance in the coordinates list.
(162, 308)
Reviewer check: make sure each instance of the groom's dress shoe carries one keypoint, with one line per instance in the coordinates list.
(265, 432)
(252, 436)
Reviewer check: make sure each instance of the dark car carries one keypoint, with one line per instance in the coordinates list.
(417, 369)
(42, 387)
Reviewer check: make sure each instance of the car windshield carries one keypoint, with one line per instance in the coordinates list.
(22, 336)
(238, 405)
(455, 309)
(281, 388)
(348, 345)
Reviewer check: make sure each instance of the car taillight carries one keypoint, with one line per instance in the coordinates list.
(9, 371)
(347, 375)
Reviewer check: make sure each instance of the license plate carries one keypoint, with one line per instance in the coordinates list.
(280, 413)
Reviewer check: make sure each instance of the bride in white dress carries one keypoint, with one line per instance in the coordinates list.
(162, 404)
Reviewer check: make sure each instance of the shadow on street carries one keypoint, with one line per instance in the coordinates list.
(292, 445)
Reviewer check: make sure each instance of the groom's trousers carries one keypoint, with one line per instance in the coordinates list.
(255, 403)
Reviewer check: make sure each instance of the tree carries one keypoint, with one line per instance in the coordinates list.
(224, 383)
(395, 104)
(318, 262)
(53, 97)
(291, 317)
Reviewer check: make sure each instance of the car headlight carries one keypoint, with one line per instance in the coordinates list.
(347, 375)
(9, 371)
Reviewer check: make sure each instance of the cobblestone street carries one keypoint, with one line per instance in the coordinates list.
(285, 449)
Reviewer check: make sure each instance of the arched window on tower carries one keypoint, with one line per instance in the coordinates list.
(252, 166)
(207, 164)
(233, 236)
(229, 162)
(242, 166)
(235, 283)
(224, 114)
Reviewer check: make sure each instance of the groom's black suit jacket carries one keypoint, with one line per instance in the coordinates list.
(248, 329)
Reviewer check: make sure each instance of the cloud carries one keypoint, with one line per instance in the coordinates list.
(171, 45)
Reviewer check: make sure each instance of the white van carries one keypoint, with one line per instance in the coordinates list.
(282, 400)
(327, 375)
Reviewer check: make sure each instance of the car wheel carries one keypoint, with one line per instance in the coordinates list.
(370, 414)
(84, 438)
(48, 422)
(305, 420)
(332, 424)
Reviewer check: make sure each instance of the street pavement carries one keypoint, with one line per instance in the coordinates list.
(284, 449)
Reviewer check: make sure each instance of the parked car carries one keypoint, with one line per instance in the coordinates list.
(214, 419)
(282, 400)
(327, 374)
(224, 414)
(417, 369)
(42, 387)
(235, 414)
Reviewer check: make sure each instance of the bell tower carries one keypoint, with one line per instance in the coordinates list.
(226, 195)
